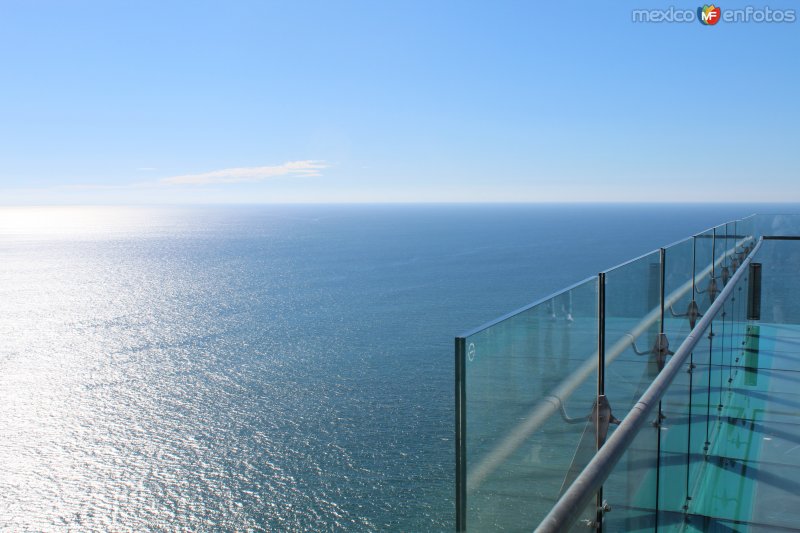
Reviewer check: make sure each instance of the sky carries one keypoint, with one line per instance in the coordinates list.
(393, 101)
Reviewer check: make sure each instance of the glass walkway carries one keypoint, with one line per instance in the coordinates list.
(661, 395)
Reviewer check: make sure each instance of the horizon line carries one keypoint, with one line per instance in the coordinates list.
(400, 203)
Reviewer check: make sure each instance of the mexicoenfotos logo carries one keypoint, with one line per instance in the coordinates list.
(708, 15)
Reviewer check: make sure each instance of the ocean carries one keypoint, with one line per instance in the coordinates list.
(267, 368)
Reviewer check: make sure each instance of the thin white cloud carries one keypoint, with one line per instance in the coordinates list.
(307, 169)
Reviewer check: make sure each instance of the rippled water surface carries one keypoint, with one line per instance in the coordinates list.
(267, 368)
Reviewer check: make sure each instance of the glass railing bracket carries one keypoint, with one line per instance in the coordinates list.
(603, 417)
(660, 349)
(601, 511)
(692, 313)
(711, 290)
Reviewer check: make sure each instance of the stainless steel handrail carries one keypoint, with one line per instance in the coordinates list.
(568, 508)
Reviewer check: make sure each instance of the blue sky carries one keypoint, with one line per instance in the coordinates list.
(392, 101)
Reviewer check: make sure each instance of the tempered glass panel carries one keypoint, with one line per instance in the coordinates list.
(589, 514)
(530, 380)
(731, 248)
(739, 304)
(720, 366)
(676, 404)
(679, 314)
(633, 317)
(703, 417)
(676, 434)
(743, 250)
(720, 250)
(783, 225)
(780, 282)
(704, 271)
(720, 355)
(631, 487)
(747, 227)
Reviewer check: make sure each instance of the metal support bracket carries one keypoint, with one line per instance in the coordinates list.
(602, 417)
(712, 290)
(565, 416)
(692, 313)
(601, 512)
(726, 275)
(660, 349)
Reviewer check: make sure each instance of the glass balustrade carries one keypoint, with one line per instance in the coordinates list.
(530, 382)
(539, 391)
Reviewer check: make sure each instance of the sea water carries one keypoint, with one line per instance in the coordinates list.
(266, 367)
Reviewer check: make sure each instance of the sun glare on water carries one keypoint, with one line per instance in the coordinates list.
(68, 221)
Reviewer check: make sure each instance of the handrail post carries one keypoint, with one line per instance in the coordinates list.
(601, 379)
(659, 416)
(461, 435)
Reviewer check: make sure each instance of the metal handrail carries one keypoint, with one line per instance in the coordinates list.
(590, 480)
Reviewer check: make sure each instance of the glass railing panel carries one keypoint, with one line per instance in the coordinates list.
(748, 228)
(630, 490)
(587, 517)
(728, 263)
(740, 318)
(778, 224)
(720, 252)
(750, 235)
(703, 420)
(780, 285)
(705, 284)
(714, 368)
(680, 307)
(726, 335)
(675, 435)
(739, 481)
(679, 317)
(731, 345)
(733, 246)
(745, 242)
(762, 225)
(739, 312)
(632, 320)
(701, 416)
(531, 380)
(744, 473)
(719, 356)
